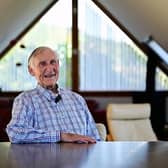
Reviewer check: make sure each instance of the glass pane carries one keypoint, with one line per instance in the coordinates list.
(158, 49)
(109, 60)
(53, 30)
(161, 80)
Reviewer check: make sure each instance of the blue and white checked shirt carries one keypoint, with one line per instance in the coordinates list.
(37, 118)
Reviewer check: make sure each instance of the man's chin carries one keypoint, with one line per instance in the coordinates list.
(49, 86)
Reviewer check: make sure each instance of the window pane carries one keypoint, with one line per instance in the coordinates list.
(109, 60)
(161, 80)
(158, 49)
(53, 30)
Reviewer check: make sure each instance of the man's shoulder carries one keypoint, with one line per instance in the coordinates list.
(26, 94)
(71, 94)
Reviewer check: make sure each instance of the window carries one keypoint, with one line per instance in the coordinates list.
(49, 31)
(161, 80)
(158, 49)
(109, 60)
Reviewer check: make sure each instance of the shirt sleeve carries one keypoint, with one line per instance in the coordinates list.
(20, 129)
(91, 125)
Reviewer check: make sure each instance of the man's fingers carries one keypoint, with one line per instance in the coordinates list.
(69, 137)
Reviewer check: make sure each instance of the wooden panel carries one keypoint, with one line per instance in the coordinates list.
(5, 116)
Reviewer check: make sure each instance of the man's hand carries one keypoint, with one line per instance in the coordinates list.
(69, 137)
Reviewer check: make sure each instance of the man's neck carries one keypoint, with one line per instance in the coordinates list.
(52, 88)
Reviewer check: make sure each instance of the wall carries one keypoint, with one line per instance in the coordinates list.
(142, 18)
(15, 16)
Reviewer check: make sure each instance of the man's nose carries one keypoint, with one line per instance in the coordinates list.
(49, 66)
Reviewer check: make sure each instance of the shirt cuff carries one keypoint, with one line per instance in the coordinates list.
(55, 136)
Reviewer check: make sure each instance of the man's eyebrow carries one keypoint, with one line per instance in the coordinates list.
(41, 61)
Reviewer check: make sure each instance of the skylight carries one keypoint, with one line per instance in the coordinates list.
(158, 49)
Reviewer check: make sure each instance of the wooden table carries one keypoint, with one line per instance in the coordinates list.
(99, 155)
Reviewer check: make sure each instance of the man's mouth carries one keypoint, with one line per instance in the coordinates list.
(49, 75)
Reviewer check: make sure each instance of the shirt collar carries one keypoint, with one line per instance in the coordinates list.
(47, 93)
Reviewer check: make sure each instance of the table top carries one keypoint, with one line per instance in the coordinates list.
(99, 155)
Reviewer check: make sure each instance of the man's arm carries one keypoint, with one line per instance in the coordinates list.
(91, 125)
(20, 129)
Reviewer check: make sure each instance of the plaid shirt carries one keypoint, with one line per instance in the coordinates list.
(37, 118)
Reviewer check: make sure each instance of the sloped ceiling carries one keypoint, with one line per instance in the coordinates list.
(15, 15)
(142, 18)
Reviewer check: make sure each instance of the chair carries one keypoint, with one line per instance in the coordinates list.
(102, 131)
(129, 122)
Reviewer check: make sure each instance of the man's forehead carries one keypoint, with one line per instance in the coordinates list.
(45, 55)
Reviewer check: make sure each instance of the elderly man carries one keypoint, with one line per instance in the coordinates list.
(48, 113)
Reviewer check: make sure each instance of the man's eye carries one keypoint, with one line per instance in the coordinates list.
(53, 62)
(42, 64)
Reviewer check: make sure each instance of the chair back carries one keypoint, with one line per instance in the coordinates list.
(130, 122)
(102, 131)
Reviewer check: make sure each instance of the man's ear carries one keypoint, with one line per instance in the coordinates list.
(31, 70)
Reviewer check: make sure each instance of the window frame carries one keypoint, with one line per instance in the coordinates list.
(75, 53)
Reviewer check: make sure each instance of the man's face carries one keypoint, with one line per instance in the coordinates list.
(45, 68)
